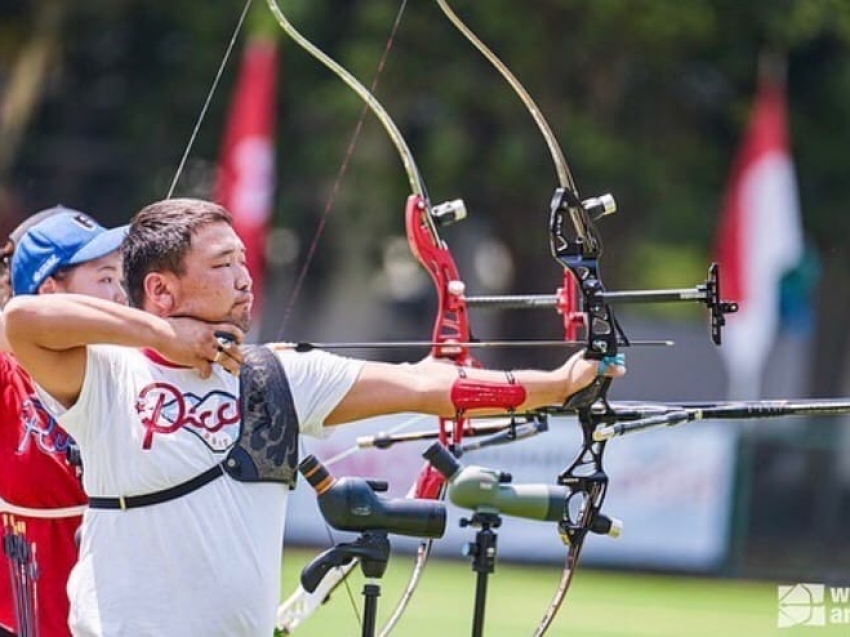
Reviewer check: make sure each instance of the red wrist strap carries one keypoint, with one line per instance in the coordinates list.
(469, 393)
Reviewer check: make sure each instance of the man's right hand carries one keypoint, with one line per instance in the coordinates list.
(200, 345)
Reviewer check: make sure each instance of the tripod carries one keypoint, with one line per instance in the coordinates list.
(483, 554)
(372, 548)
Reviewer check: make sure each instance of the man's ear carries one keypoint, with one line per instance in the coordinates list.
(160, 289)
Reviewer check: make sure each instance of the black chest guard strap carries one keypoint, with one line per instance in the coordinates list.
(267, 448)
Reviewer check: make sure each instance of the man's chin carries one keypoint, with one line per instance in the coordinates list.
(242, 320)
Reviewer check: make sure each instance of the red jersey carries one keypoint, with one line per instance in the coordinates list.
(35, 473)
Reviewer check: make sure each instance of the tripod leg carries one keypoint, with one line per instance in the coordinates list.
(480, 600)
(371, 592)
(483, 552)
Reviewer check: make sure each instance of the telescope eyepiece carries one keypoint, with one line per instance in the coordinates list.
(316, 474)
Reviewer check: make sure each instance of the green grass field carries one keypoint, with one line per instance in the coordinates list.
(599, 604)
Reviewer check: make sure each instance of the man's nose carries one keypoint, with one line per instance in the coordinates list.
(243, 279)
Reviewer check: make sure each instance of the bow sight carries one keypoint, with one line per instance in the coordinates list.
(580, 255)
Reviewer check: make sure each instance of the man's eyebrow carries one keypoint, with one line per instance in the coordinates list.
(226, 252)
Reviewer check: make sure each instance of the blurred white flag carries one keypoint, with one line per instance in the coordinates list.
(760, 238)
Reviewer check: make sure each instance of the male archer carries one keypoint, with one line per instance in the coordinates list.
(173, 542)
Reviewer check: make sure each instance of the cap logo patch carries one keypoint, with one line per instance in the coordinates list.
(85, 221)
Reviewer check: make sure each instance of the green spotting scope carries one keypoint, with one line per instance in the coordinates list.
(490, 490)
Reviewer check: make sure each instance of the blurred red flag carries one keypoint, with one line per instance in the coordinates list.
(760, 236)
(245, 182)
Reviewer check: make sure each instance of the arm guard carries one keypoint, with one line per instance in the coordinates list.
(469, 394)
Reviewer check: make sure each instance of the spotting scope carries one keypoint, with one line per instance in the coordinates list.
(352, 504)
(490, 490)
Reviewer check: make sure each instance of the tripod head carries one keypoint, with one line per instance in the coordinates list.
(372, 548)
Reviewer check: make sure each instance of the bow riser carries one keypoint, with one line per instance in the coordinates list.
(451, 327)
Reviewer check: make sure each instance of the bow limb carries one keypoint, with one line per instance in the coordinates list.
(567, 294)
(565, 179)
(420, 218)
(584, 225)
(417, 186)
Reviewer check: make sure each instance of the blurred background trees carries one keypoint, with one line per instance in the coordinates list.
(648, 98)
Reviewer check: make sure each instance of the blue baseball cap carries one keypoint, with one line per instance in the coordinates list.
(65, 238)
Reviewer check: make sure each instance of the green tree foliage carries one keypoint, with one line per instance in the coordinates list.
(648, 97)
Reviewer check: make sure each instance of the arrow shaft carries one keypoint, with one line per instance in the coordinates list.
(306, 346)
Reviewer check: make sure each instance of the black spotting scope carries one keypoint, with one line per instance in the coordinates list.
(351, 504)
